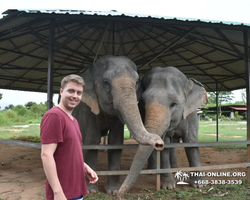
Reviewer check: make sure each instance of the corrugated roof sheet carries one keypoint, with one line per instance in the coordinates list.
(117, 13)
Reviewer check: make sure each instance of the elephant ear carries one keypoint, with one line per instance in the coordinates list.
(89, 96)
(195, 95)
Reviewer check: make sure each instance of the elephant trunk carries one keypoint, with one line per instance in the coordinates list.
(155, 122)
(125, 101)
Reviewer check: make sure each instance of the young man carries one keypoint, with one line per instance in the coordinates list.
(61, 150)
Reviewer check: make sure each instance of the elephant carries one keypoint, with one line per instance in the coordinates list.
(168, 105)
(109, 101)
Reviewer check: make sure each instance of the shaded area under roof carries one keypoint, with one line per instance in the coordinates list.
(226, 107)
(211, 52)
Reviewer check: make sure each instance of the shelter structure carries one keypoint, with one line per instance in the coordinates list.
(35, 44)
(39, 47)
(228, 111)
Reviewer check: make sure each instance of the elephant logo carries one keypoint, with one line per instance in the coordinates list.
(181, 177)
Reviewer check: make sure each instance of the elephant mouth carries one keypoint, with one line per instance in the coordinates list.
(172, 125)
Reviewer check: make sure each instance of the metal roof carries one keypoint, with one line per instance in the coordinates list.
(212, 52)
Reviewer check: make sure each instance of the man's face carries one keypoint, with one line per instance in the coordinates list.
(71, 95)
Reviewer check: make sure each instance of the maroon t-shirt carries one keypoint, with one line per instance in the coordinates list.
(58, 127)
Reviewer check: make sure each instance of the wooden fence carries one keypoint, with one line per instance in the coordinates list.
(158, 171)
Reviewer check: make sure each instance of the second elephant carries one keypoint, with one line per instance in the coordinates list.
(169, 103)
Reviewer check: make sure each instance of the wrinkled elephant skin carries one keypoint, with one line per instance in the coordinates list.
(168, 108)
(109, 101)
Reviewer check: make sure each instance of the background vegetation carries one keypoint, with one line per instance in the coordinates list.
(31, 112)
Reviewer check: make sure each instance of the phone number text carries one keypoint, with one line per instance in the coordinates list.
(218, 182)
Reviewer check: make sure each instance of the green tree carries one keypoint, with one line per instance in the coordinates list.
(9, 107)
(1, 96)
(21, 110)
(243, 96)
(223, 96)
(38, 110)
(29, 104)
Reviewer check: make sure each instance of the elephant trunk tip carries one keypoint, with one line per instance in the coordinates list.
(159, 145)
(157, 142)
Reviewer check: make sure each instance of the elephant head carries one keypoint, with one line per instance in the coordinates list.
(169, 96)
(112, 86)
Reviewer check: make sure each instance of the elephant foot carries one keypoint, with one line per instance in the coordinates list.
(195, 182)
(92, 188)
(167, 182)
(112, 188)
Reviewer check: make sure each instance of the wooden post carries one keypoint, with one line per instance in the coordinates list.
(158, 166)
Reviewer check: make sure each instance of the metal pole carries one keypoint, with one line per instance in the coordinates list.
(113, 39)
(246, 50)
(217, 115)
(50, 65)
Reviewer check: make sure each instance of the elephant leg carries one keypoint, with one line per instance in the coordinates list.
(91, 136)
(194, 160)
(152, 161)
(193, 154)
(173, 160)
(167, 180)
(114, 156)
(90, 157)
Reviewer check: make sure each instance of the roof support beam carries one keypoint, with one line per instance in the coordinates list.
(229, 42)
(173, 43)
(101, 42)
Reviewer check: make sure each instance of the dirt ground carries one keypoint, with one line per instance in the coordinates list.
(22, 177)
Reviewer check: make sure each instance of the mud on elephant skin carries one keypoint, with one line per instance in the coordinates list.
(109, 101)
(168, 106)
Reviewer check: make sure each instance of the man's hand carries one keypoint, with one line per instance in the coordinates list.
(90, 173)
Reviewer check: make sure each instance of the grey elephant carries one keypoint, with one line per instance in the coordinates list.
(169, 101)
(109, 101)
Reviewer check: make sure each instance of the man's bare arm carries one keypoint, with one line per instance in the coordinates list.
(49, 166)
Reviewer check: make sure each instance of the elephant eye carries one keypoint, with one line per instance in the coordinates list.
(106, 85)
(173, 104)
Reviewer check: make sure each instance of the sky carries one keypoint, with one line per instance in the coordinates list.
(221, 10)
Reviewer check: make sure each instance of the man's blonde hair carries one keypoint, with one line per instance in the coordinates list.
(72, 77)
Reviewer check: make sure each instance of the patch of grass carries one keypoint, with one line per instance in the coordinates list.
(127, 134)
(215, 192)
(228, 131)
(230, 192)
(10, 132)
(98, 195)
(28, 138)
